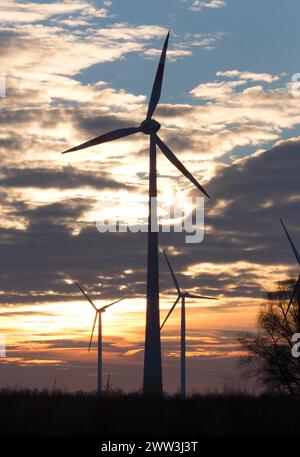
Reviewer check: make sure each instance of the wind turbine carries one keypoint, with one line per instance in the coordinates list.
(98, 315)
(152, 384)
(296, 290)
(181, 295)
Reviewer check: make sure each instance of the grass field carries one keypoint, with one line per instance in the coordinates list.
(33, 413)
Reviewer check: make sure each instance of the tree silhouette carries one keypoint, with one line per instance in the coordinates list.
(269, 353)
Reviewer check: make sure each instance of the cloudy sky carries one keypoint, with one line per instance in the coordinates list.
(76, 69)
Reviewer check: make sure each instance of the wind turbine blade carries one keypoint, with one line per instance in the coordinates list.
(296, 253)
(93, 330)
(170, 312)
(107, 306)
(86, 295)
(172, 273)
(156, 91)
(295, 290)
(201, 296)
(114, 135)
(176, 162)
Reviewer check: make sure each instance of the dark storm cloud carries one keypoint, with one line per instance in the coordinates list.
(39, 258)
(94, 124)
(270, 174)
(170, 111)
(63, 343)
(177, 143)
(259, 190)
(21, 116)
(56, 213)
(86, 122)
(66, 178)
(56, 246)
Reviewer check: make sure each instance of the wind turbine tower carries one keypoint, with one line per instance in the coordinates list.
(296, 290)
(152, 384)
(182, 295)
(98, 315)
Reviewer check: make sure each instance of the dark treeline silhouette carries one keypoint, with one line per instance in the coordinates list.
(33, 413)
(270, 360)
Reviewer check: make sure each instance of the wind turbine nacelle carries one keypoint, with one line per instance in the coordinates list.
(150, 126)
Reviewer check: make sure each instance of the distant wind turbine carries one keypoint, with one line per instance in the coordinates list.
(152, 358)
(181, 295)
(98, 315)
(296, 290)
